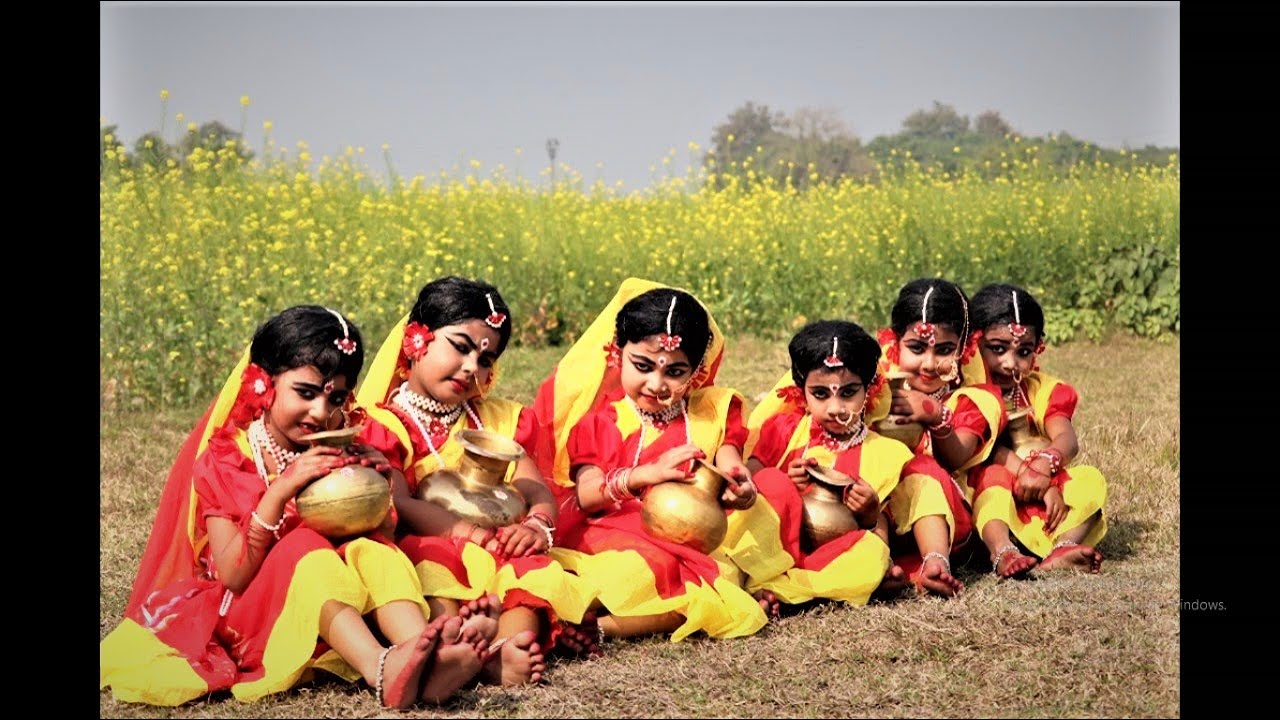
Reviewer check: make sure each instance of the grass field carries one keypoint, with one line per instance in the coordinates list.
(1066, 646)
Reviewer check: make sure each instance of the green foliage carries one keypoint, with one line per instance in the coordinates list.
(194, 258)
(811, 146)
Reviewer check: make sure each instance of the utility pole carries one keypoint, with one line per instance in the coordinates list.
(552, 146)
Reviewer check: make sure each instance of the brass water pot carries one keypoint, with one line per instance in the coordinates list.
(475, 490)
(688, 513)
(351, 500)
(825, 516)
(1021, 434)
(908, 434)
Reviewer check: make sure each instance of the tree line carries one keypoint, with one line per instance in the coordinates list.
(758, 144)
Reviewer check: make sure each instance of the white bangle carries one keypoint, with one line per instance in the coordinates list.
(537, 522)
(274, 529)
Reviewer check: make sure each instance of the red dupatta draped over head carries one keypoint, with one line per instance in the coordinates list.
(584, 376)
(176, 538)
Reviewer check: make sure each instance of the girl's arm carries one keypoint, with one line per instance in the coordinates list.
(237, 555)
(743, 495)
(589, 480)
(532, 534)
(953, 447)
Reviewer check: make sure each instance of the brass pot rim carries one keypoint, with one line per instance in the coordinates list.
(716, 470)
(333, 437)
(822, 474)
(1019, 413)
(898, 375)
(470, 440)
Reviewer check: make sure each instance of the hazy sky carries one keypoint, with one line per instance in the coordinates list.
(622, 84)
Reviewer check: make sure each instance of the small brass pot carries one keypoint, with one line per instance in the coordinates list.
(908, 434)
(825, 517)
(1021, 434)
(475, 491)
(688, 513)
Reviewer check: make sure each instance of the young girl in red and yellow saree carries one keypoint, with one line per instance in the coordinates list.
(819, 425)
(235, 593)
(631, 406)
(1054, 511)
(431, 380)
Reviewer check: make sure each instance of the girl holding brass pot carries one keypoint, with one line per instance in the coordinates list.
(475, 515)
(1027, 489)
(647, 460)
(234, 584)
(927, 353)
(816, 440)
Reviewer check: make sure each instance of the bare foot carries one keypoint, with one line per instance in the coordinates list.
(768, 602)
(1009, 563)
(894, 582)
(404, 667)
(518, 661)
(1081, 558)
(935, 577)
(482, 614)
(456, 660)
(583, 639)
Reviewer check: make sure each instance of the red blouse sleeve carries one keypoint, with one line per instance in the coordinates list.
(527, 432)
(968, 416)
(735, 432)
(1062, 401)
(595, 440)
(774, 435)
(380, 438)
(227, 483)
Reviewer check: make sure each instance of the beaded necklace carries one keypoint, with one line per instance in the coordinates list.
(659, 420)
(259, 438)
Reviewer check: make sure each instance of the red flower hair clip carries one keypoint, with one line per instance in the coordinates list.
(612, 355)
(257, 392)
(792, 394)
(888, 340)
(416, 339)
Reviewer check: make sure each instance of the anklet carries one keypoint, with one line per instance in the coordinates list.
(995, 564)
(1065, 543)
(382, 661)
(946, 561)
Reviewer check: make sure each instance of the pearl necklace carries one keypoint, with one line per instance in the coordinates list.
(940, 394)
(404, 399)
(660, 420)
(834, 444)
(1017, 395)
(259, 438)
(446, 415)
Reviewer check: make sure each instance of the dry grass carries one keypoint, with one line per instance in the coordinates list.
(1096, 646)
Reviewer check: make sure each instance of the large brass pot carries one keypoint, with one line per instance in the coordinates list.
(908, 434)
(475, 490)
(688, 513)
(1021, 434)
(825, 516)
(351, 500)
